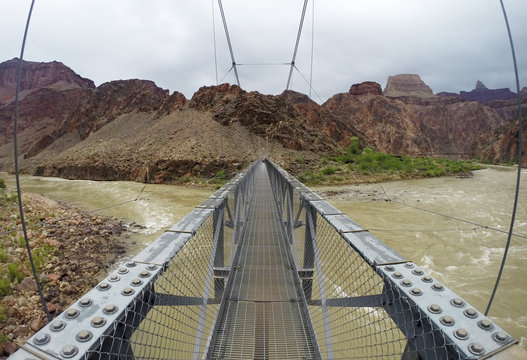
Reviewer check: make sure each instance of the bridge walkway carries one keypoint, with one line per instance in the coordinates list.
(265, 314)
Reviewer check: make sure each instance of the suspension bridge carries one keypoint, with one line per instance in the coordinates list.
(267, 269)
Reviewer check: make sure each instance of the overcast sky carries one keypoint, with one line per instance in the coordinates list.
(450, 43)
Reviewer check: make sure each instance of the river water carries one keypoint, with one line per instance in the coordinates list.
(464, 256)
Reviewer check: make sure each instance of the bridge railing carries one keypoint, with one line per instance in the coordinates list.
(365, 300)
(163, 303)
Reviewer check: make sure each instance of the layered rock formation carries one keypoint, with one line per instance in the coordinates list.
(37, 75)
(134, 130)
(484, 95)
(407, 85)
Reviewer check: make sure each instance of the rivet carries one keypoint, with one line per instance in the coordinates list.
(397, 275)
(136, 282)
(427, 279)
(500, 336)
(471, 313)
(416, 292)
(131, 264)
(476, 348)
(110, 309)
(434, 308)
(457, 302)
(69, 351)
(98, 321)
(485, 324)
(84, 335)
(85, 302)
(122, 270)
(41, 339)
(72, 313)
(57, 325)
(114, 278)
(127, 291)
(390, 268)
(151, 267)
(409, 265)
(144, 274)
(406, 283)
(447, 320)
(437, 287)
(417, 271)
(461, 334)
(103, 286)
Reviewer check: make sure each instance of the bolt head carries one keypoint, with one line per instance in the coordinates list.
(390, 268)
(471, 313)
(500, 336)
(406, 283)
(447, 320)
(144, 274)
(131, 264)
(98, 321)
(122, 270)
(437, 287)
(72, 313)
(461, 334)
(110, 309)
(476, 348)
(485, 324)
(427, 279)
(69, 351)
(151, 267)
(417, 271)
(397, 275)
(84, 335)
(416, 292)
(409, 265)
(103, 286)
(127, 291)
(136, 282)
(57, 325)
(85, 302)
(114, 278)
(434, 308)
(457, 302)
(41, 339)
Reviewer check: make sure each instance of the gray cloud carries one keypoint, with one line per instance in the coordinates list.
(450, 43)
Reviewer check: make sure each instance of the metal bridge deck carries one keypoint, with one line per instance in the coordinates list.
(264, 315)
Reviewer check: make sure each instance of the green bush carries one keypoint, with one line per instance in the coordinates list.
(2, 184)
(3, 255)
(5, 288)
(328, 171)
(14, 272)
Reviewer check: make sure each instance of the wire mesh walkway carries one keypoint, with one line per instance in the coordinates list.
(265, 314)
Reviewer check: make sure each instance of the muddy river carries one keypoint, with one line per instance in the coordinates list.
(407, 215)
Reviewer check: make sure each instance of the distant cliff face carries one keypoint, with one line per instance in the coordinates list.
(134, 130)
(407, 85)
(484, 95)
(36, 76)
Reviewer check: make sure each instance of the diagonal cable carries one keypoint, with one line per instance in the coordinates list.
(229, 42)
(296, 44)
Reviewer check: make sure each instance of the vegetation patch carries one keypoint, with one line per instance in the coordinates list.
(366, 165)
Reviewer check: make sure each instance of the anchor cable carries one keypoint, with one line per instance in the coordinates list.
(15, 144)
(520, 153)
(296, 44)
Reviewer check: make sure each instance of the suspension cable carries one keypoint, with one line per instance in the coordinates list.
(310, 87)
(17, 177)
(229, 42)
(296, 44)
(520, 153)
(214, 37)
(312, 46)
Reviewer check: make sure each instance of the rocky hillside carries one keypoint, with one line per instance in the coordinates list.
(134, 130)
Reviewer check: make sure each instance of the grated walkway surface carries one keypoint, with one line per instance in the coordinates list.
(264, 316)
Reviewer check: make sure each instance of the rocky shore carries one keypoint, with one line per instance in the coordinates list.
(72, 249)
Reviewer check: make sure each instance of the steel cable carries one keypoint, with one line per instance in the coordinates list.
(15, 144)
(520, 151)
